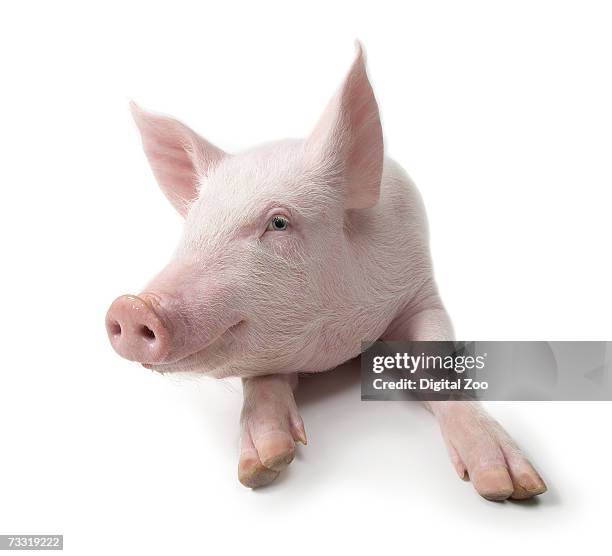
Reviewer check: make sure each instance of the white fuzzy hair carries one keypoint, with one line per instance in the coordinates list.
(340, 279)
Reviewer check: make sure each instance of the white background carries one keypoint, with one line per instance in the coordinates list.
(501, 113)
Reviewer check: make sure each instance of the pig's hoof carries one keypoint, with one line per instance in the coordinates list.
(276, 450)
(267, 444)
(252, 473)
(271, 425)
(262, 461)
(483, 451)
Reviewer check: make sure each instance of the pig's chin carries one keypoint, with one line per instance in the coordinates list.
(207, 359)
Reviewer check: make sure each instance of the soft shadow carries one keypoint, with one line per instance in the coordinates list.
(320, 387)
(550, 498)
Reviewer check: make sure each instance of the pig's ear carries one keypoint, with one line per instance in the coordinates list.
(347, 141)
(178, 155)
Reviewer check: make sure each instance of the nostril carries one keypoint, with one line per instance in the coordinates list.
(115, 329)
(147, 333)
(136, 332)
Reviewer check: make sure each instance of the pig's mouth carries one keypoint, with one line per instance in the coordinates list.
(190, 361)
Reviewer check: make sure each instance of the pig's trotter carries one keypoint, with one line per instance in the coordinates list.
(270, 427)
(479, 448)
(482, 450)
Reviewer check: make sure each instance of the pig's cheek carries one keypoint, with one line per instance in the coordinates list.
(284, 246)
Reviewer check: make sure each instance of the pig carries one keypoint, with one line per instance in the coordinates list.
(292, 254)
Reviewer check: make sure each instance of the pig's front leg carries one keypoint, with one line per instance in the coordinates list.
(478, 446)
(270, 427)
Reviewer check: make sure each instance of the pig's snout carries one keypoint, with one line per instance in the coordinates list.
(135, 331)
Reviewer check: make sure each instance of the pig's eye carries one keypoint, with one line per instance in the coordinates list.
(277, 224)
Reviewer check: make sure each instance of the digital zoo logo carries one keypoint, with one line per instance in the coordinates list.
(486, 370)
(423, 364)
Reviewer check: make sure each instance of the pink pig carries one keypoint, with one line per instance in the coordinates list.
(293, 253)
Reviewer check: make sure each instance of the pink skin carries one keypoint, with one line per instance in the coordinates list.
(270, 428)
(284, 245)
(157, 326)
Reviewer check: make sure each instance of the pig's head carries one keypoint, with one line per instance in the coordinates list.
(256, 282)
